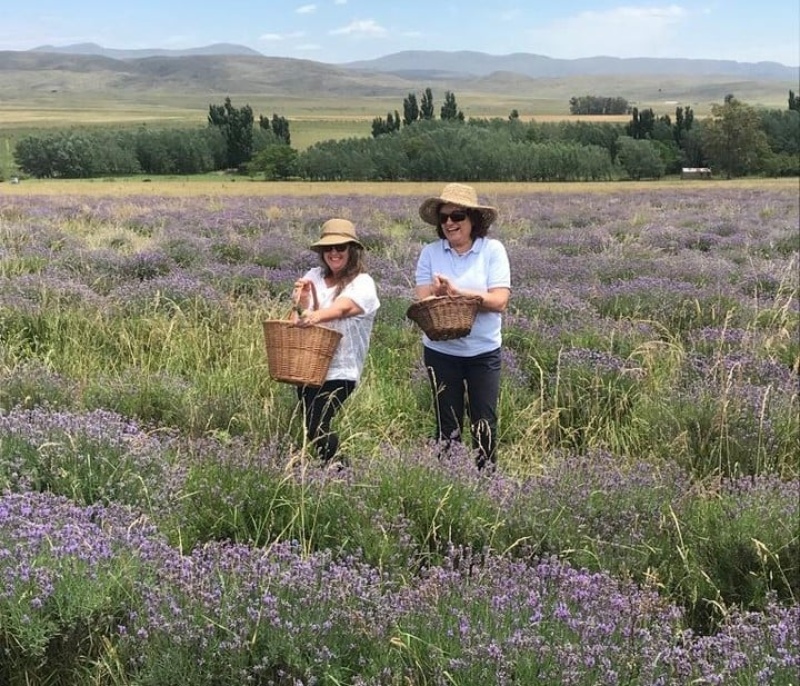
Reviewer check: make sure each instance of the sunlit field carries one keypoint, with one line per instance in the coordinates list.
(162, 520)
(320, 118)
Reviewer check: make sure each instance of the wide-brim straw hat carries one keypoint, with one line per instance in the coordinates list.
(456, 194)
(337, 232)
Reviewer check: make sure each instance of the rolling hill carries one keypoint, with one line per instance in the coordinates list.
(99, 74)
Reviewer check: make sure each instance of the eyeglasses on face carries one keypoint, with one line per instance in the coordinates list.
(454, 216)
(342, 247)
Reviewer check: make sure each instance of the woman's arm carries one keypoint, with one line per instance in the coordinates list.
(342, 308)
(422, 292)
(492, 300)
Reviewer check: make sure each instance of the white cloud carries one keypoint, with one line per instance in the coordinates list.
(277, 37)
(626, 31)
(340, 2)
(308, 47)
(365, 27)
(306, 9)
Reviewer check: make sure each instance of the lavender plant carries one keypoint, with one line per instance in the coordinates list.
(162, 521)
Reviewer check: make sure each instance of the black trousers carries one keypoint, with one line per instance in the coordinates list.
(320, 405)
(471, 384)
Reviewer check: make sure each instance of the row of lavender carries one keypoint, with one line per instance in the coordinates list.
(158, 523)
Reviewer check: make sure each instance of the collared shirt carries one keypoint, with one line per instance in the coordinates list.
(351, 354)
(484, 266)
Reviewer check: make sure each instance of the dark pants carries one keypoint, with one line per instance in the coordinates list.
(319, 405)
(471, 383)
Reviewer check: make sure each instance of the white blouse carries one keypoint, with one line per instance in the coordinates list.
(351, 354)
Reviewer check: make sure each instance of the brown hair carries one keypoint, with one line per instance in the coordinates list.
(354, 266)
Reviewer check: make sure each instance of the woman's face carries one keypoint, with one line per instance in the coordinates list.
(336, 256)
(456, 226)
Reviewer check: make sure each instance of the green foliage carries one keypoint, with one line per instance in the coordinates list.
(274, 162)
(597, 104)
(449, 110)
(634, 445)
(733, 138)
(94, 153)
(410, 109)
(381, 127)
(236, 125)
(444, 150)
(278, 127)
(640, 159)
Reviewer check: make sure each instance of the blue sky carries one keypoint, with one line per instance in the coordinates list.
(337, 31)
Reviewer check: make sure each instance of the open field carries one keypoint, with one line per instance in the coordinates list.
(163, 520)
(320, 108)
(222, 185)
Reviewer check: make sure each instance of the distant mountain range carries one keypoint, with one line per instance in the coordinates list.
(94, 49)
(469, 64)
(538, 66)
(89, 72)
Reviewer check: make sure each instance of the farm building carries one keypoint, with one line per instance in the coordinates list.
(696, 173)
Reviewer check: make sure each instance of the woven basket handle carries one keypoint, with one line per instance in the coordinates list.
(314, 301)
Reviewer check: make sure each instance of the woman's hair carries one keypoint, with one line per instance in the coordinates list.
(354, 266)
(478, 228)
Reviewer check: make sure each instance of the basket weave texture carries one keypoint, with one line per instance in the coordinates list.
(445, 317)
(299, 355)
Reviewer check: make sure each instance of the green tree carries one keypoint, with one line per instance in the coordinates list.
(733, 138)
(794, 101)
(274, 162)
(410, 109)
(594, 104)
(237, 126)
(426, 105)
(279, 126)
(381, 127)
(640, 158)
(449, 110)
(641, 123)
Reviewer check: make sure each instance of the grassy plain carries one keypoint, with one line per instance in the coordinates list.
(220, 185)
(315, 118)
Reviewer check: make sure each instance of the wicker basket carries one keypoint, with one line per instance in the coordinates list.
(299, 355)
(445, 317)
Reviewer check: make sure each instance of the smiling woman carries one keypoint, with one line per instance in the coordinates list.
(341, 295)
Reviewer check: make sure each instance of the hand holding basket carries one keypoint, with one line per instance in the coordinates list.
(299, 355)
(445, 317)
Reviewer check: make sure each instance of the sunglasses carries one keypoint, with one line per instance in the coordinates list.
(454, 216)
(342, 247)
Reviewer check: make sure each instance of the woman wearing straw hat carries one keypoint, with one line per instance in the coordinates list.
(465, 372)
(347, 302)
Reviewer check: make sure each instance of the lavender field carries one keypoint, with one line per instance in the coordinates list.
(162, 521)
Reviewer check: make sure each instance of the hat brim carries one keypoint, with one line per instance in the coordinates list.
(429, 211)
(335, 239)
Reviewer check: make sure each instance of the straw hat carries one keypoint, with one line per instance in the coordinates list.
(336, 232)
(456, 194)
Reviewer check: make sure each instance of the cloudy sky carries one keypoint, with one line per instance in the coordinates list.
(338, 31)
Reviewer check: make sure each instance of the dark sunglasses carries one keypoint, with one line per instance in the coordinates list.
(338, 248)
(454, 216)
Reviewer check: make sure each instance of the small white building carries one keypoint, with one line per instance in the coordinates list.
(695, 173)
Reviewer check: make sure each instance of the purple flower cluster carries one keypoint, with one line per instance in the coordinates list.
(655, 322)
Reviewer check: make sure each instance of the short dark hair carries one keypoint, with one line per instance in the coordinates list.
(475, 217)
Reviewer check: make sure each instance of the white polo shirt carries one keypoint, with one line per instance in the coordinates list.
(483, 267)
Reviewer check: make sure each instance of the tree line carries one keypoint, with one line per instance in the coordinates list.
(736, 140)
